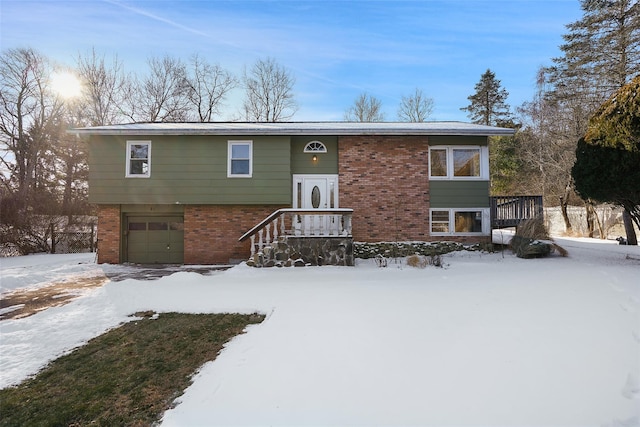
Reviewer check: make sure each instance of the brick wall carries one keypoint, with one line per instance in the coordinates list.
(109, 234)
(385, 180)
(211, 232)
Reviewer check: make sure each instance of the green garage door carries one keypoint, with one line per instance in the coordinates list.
(155, 240)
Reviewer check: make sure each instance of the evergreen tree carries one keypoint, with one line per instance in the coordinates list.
(608, 157)
(601, 53)
(488, 104)
(506, 164)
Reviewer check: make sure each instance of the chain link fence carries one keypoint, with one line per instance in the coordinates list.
(73, 242)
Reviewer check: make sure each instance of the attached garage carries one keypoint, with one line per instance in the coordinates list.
(154, 239)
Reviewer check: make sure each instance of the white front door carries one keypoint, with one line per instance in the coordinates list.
(315, 192)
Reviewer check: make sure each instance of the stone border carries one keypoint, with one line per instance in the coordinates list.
(402, 249)
(314, 251)
(291, 251)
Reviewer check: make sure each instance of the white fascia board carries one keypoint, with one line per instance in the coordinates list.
(297, 128)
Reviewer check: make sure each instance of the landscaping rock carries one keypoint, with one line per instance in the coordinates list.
(313, 251)
(403, 249)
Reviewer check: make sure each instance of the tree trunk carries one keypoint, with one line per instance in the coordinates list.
(593, 220)
(590, 222)
(565, 215)
(628, 227)
(599, 223)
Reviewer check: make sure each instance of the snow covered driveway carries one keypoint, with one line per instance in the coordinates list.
(490, 340)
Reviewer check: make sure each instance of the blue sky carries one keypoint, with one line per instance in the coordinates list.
(336, 49)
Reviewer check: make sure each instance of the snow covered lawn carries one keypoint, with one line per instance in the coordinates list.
(489, 340)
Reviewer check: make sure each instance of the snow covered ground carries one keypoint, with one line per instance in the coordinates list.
(489, 340)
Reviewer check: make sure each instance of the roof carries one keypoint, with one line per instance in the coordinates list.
(296, 128)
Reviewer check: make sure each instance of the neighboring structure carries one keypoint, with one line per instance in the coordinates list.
(187, 192)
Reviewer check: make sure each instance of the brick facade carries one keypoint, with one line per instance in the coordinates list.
(109, 234)
(385, 180)
(211, 232)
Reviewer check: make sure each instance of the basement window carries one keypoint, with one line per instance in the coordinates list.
(463, 221)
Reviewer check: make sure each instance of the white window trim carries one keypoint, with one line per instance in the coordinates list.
(448, 155)
(486, 221)
(484, 163)
(230, 144)
(319, 147)
(128, 173)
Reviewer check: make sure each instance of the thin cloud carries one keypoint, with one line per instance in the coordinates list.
(156, 17)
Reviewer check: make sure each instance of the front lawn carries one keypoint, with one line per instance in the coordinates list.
(127, 376)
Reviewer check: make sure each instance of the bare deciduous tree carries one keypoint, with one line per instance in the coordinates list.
(34, 176)
(27, 110)
(366, 108)
(161, 95)
(269, 92)
(415, 108)
(207, 86)
(547, 144)
(105, 86)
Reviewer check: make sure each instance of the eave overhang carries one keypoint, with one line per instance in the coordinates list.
(296, 128)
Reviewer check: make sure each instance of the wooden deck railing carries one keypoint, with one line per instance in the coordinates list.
(299, 223)
(510, 211)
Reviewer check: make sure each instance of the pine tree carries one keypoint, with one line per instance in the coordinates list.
(601, 53)
(488, 104)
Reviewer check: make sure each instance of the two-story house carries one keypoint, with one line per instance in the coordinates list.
(187, 192)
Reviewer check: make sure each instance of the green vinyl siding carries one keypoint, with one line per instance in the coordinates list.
(302, 163)
(458, 140)
(190, 170)
(459, 194)
(150, 210)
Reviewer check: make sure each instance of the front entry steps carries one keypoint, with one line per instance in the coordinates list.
(290, 251)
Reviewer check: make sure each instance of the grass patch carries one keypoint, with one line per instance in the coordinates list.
(127, 376)
(421, 261)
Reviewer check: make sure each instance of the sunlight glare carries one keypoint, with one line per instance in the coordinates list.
(66, 84)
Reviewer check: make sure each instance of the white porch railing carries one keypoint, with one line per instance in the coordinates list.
(299, 223)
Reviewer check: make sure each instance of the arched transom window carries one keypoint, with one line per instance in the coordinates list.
(315, 147)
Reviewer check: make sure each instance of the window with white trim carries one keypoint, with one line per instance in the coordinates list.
(138, 159)
(459, 162)
(459, 221)
(240, 159)
(315, 147)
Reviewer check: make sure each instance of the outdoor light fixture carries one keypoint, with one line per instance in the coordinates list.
(314, 158)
